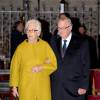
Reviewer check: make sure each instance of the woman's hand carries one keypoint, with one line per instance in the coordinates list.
(37, 68)
(15, 92)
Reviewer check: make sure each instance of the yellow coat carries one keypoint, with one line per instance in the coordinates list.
(32, 86)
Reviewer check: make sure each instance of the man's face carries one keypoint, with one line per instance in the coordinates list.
(64, 28)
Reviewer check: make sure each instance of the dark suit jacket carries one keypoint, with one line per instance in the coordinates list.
(73, 69)
(16, 39)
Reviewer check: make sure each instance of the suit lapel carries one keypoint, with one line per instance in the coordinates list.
(59, 45)
(71, 47)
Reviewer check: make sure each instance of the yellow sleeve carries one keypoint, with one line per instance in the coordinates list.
(52, 66)
(14, 68)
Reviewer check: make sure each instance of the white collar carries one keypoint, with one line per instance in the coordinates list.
(68, 39)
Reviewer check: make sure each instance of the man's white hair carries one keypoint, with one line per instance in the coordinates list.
(66, 19)
(36, 24)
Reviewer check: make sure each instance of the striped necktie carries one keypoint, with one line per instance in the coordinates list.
(64, 46)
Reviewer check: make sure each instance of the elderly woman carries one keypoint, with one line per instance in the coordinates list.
(31, 66)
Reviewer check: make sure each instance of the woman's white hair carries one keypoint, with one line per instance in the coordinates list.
(36, 24)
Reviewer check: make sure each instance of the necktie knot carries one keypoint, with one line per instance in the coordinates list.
(65, 41)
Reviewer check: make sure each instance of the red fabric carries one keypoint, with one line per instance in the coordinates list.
(91, 97)
(96, 75)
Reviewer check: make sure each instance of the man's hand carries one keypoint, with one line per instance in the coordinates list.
(81, 91)
(15, 92)
(47, 61)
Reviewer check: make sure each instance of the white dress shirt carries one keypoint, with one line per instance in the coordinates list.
(68, 40)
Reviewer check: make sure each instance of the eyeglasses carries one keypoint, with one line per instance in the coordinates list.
(32, 30)
(63, 28)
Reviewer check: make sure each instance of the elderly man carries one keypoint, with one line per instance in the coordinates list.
(31, 66)
(70, 81)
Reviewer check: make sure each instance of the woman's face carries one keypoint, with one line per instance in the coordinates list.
(20, 27)
(32, 33)
(82, 30)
